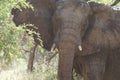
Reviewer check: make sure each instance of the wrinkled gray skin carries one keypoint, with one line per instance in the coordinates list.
(69, 15)
(95, 27)
(41, 17)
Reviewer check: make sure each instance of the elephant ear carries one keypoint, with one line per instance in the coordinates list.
(99, 7)
(104, 29)
(21, 16)
(40, 17)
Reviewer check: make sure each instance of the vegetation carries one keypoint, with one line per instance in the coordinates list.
(15, 45)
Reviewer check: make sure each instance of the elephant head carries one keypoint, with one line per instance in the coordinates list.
(40, 17)
(71, 18)
(84, 29)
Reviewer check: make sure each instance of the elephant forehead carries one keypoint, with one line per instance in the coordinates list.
(71, 14)
(67, 9)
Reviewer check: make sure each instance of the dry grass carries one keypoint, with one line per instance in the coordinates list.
(43, 71)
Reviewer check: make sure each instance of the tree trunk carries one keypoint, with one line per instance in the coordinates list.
(31, 59)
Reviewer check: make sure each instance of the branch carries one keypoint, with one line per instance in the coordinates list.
(115, 2)
(48, 60)
(26, 51)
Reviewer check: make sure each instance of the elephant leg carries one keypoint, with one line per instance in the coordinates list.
(94, 66)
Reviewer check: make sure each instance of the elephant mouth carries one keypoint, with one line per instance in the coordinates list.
(54, 46)
(68, 34)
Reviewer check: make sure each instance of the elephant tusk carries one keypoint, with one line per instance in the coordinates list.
(53, 47)
(80, 47)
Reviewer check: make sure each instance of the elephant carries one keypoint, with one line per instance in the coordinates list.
(41, 17)
(88, 40)
(86, 35)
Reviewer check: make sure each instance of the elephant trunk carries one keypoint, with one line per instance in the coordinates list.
(69, 39)
(66, 56)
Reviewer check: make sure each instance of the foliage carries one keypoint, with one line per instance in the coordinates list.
(108, 2)
(9, 34)
(14, 41)
(42, 70)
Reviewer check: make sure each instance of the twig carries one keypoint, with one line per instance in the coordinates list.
(49, 59)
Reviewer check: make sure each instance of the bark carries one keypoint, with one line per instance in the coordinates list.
(31, 59)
